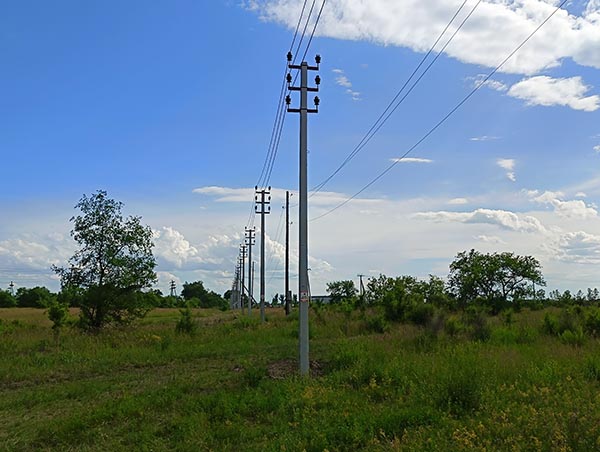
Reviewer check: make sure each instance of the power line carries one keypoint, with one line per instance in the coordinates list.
(381, 120)
(448, 115)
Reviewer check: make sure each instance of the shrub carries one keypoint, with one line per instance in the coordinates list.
(460, 389)
(420, 314)
(186, 324)
(575, 338)
(477, 325)
(58, 314)
(550, 324)
(591, 369)
(377, 324)
(592, 322)
(453, 326)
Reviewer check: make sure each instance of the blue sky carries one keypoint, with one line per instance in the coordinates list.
(169, 106)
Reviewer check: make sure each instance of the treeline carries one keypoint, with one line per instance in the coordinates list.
(492, 282)
(194, 295)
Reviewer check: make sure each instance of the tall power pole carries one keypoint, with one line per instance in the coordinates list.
(243, 249)
(250, 241)
(173, 288)
(303, 285)
(12, 288)
(287, 253)
(262, 208)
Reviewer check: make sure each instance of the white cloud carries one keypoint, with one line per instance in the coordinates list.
(580, 194)
(579, 247)
(411, 160)
(458, 201)
(501, 218)
(490, 239)
(597, 149)
(509, 166)
(575, 209)
(342, 80)
(479, 81)
(172, 246)
(227, 194)
(547, 91)
(484, 138)
(494, 30)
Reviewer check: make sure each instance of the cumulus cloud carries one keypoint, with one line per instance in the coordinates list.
(501, 218)
(574, 209)
(494, 30)
(579, 247)
(411, 160)
(172, 246)
(509, 166)
(547, 91)
(597, 149)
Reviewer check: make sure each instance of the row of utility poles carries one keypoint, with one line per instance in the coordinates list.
(262, 207)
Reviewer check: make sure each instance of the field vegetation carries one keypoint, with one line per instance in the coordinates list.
(202, 379)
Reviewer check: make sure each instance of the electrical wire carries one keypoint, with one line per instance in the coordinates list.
(383, 117)
(448, 115)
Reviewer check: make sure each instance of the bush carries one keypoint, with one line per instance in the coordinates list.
(592, 322)
(377, 324)
(575, 338)
(58, 314)
(453, 326)
(591, 369)
(7, 300)
(460, 389)
(186, 324)
(550, 324)
(420, 314)
(477, 325)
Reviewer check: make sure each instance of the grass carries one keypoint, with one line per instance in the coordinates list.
(232, 386)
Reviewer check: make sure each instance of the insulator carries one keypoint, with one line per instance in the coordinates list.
(318, 80)
(288, 99)
(318, 59)
(289, 78)
(289, 56)
(317, 101)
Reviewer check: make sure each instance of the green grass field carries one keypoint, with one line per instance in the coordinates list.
(233, 386)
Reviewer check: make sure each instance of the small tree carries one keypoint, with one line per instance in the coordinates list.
(113, 263)
(342, 291)
(58, 314)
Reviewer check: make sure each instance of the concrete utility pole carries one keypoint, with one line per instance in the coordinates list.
(173, 288)
(262, 208)
(250, 241)
(303, 285)
(287, 254)
(243, 249)
(361, 287)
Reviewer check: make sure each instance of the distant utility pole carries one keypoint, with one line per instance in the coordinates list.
(243, 249)
(250, 241)
(234, 289)
(12, 288)
(303, 285)
(361, 287)
(262, 208)
(288, 301)
(172, 292)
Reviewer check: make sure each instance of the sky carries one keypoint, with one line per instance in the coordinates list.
(170, 107)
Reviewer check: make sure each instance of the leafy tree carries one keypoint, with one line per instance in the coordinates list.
(7, 300)
(113, 264)
(36, 297)
(495, 278)
(342, 291)
(197, 295)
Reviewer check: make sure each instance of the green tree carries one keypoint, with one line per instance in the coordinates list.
(197, 295)
(7, 300)
(113, 264)
(495, 278)
(342, 291)
(36, 297)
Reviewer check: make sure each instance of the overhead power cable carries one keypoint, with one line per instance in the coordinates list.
(390, 109)
(448, 115)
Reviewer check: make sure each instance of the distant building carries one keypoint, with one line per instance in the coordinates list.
(322, 299)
